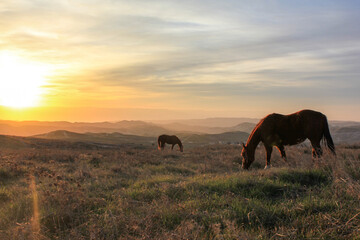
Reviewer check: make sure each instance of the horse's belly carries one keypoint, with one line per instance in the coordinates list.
(294, 141)
(283, 139)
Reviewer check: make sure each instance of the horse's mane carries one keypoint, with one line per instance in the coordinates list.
(256, 128)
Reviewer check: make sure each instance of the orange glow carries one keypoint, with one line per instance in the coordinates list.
(35, 222)
(21, 81)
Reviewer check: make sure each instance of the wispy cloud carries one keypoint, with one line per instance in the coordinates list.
(193, 49)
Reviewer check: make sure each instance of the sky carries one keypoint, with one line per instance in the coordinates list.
(108, 60)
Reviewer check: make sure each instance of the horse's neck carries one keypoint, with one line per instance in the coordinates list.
(253, 140)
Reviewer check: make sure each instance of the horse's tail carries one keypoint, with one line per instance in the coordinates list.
(327, 137)
(159, 143)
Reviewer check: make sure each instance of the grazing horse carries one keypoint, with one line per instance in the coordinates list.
(162, 139)
(280, 130)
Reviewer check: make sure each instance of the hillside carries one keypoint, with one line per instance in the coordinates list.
(20, 143)
(243, 127)
(53, 192)
(210, 122)
(13, 142)
(181, 127)
(119, 138)
(30, 128)
(348, 134)
(221, 138)
(342, 131)
(104, 138)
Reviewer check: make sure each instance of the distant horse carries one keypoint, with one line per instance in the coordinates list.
(280, 130)
(162, 139)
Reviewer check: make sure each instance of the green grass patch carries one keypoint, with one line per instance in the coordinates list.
(131, 193)
(316, 177)
(5, 195)
(155, 181)
(244, 186)
(144, 195)
(169, 218)
(17, 211)
(5, 175)
(170, 170)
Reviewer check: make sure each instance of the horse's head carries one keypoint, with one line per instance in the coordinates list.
(246, 161)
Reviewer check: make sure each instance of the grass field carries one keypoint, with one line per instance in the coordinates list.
(141, 193)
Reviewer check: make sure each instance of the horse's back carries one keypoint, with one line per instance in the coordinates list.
(309, 115)
(314, 123)
(298, 119)
(293, 128)
(162, 137)
(168, 139)
(175, 139)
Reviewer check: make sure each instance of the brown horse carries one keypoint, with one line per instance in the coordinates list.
(280, 130)
(162, 139)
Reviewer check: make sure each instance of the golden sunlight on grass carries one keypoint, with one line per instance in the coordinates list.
(21, 81)
(35, 223)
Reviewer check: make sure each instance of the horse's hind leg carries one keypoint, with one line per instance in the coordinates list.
(316, 150)
(162, 145)
(282, 152)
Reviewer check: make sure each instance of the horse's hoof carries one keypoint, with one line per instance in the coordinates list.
(267, 167)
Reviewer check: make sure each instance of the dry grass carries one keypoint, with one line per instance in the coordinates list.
(141, 193)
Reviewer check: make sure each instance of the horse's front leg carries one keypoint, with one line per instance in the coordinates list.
(268, 149)
(172, 147)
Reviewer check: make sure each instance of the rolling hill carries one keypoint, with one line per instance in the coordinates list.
(100, 138)
(210, 122)
(119, 138)
(222, 138)
(30, 128)
(181, 127)
(18, 143)
(342, 131)
(347, 134)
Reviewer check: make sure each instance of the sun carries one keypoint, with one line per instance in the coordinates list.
(21, 81)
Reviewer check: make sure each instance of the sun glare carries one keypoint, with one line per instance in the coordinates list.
(21, 81)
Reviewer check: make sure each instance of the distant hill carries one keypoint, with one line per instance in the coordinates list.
(16, 142)
(337, 124)
(30, 128)
(348, 134)
(222, 138)
(103, 138)
(180, 127)
(68, 139)
(118, 138)
(140, 128)
(209, 122)
(342, 131)
(244, 127)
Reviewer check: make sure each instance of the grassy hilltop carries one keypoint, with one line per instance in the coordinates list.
(138, 192)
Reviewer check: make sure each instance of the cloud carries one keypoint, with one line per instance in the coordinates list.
(194, 49)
